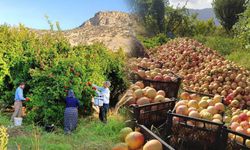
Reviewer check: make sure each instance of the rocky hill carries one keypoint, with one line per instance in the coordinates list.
(114, 29)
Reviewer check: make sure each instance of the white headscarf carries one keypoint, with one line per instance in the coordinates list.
(107, 83)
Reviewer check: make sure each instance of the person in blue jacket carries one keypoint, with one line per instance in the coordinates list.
(71, 112)
(19, 98)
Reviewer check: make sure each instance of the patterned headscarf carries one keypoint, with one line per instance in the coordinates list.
(71, 94)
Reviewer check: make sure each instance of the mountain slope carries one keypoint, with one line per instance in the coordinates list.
(114, 29)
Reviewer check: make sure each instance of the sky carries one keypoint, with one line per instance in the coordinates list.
(69, 13)
(195, 4)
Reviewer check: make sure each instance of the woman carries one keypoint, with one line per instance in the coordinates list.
(105, 95)
(71, 112)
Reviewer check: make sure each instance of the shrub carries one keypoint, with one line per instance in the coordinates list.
(204, 27)
(242, 28)
(51, 67)
(179, 22)
(154, 41)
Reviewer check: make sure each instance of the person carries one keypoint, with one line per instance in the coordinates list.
(18, 104)
(105, 94)
(71, 112)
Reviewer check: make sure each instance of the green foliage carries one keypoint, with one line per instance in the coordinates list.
(240, 57)
(242, 28)
(159, 17)
(158, 12)
(227, 11)
(181, 23)
(178, 21)
(155, 41)
(51, 67)
(4, 120)
(49, 22)
(186, 25)
(221, 31)
(224, 45)
(3, 68)
(152, 13)
(204, 27)
(58, 26)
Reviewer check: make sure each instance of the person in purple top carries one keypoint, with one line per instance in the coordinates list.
(71, 112)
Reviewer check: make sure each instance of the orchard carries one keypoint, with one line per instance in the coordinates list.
(50, 67)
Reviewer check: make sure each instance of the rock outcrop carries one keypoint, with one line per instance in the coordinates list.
(114, 29)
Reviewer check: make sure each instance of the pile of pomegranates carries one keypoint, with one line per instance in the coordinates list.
(202, 70)
(157, 74)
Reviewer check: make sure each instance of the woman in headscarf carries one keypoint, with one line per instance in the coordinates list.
(71, 112)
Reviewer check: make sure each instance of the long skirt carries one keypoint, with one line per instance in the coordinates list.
(70, 119)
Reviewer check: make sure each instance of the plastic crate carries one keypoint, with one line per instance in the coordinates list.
(147, 69)
(200, 94)
(171, 88)
(149, 135)
(151, 114)
(201, 135)
(234, 140)
(134, 77)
